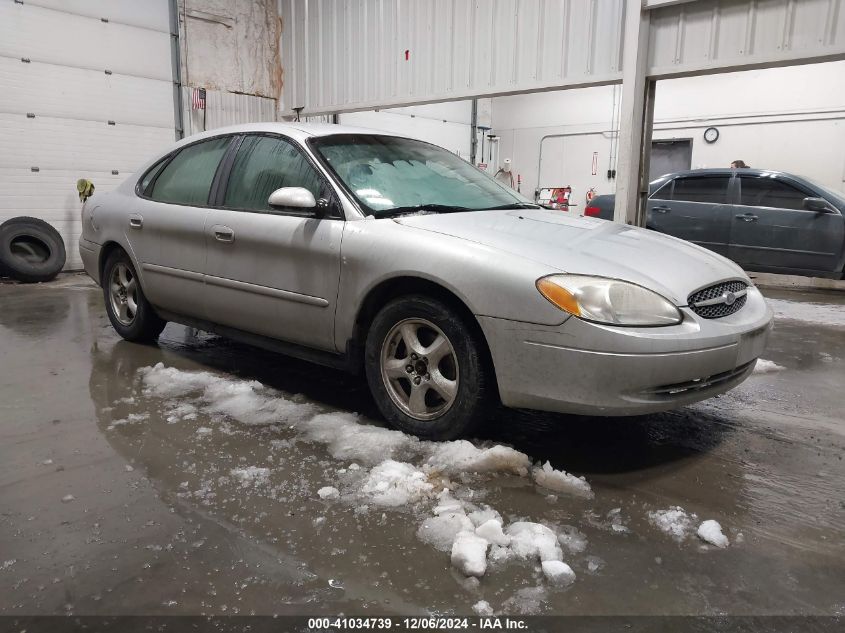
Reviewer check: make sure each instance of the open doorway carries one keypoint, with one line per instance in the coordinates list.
(668, 156)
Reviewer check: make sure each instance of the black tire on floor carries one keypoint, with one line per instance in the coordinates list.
(474, 396)
(30, 250)
(143, 325)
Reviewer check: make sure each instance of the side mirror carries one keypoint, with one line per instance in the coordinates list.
(297, 197)
(819, 205)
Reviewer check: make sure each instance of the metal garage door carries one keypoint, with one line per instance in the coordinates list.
(87, 92)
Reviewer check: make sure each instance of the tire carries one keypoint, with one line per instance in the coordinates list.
(30, 250)
(453, 394)
(130, 313)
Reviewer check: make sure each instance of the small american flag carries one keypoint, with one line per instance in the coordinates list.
(198, 99)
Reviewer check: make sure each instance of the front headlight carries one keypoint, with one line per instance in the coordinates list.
(608, 301)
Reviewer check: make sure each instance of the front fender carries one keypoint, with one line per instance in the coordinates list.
(489, 282)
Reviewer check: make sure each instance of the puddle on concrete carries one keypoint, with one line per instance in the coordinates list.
(174, 512)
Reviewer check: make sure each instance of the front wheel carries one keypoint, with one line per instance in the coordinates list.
(425, 369)
(129, 311)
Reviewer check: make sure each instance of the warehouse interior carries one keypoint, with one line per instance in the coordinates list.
(209, 475)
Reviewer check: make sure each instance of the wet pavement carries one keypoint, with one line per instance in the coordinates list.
(117, 498)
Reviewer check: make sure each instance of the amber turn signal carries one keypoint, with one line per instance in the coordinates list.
(558, 295)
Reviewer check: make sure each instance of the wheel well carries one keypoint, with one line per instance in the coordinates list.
(108, 249)
(391, 289)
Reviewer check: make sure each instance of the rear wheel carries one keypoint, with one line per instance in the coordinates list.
(425, 369)
(129, 311)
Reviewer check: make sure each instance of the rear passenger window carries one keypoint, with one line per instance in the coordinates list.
(712, 189)
(264, 164)
(187, 178)
(150, 176)
(768, 192)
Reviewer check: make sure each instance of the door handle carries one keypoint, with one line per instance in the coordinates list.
(223, 233)
(136, 221)
(661, 209)
(747, 217)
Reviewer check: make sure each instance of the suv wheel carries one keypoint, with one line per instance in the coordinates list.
(425, 369)
(129, 311)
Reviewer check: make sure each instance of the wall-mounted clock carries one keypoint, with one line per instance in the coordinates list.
(711, 135)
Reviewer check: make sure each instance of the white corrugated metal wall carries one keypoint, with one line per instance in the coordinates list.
(711, 35)
(364, 54)
(87, 93)
(352, 55)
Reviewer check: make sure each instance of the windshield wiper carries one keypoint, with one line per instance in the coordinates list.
(515, 205)
(432, 208)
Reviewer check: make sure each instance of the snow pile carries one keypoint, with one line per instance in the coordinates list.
(469, 554)
(393, 483)
(561, 481)
(251, 475)
(482, 608)
(711, 532)
(347, 439)
(247, 402)
(440, 531)
(491, 531)
(390, 469)
(533, 541)
(184, 411)
(674, 521)
(767, 367)
(328, 492)
(461, 456)
(170, 382)
(558, 573)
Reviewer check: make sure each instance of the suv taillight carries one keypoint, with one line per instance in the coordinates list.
(592, 211)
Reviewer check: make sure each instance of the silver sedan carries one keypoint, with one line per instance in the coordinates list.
(393, 257)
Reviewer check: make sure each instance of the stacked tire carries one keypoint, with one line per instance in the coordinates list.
(30, 250)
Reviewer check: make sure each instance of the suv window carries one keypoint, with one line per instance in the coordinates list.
(769, 192)
(712, 189)
(662, 192)
(187, 178)
(264, 164)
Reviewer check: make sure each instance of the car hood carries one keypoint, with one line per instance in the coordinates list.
(589, 246)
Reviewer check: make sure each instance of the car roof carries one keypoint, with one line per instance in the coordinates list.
(294, 129)
(727, 171)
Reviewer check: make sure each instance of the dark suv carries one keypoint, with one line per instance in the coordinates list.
(766, 221)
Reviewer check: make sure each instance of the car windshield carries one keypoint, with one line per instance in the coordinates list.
(389, 175)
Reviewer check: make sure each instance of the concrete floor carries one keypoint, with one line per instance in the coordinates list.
(98, 518)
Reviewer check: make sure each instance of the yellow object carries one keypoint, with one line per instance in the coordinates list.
(559, 296)
(85, 188)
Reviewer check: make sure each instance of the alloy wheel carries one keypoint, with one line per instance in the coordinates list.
(419, 369)
(123, 293)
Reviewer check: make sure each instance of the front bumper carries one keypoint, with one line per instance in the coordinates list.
(586, 368)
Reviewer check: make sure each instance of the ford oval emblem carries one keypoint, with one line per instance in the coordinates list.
(729, 298)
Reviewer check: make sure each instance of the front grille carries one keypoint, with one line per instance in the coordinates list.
(700, 384)
(711, 302)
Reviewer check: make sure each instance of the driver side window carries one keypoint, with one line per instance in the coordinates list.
(264, 164)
